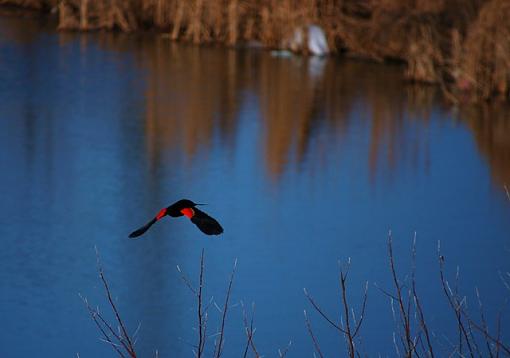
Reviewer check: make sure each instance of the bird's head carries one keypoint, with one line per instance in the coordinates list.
(185, 203)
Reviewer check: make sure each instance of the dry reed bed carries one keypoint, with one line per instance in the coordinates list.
(464, 45)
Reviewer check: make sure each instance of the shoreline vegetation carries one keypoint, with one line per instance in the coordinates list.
(461, 45)
(412, 336)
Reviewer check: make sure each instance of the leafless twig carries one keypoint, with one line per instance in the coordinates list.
(125, 335)
(455, 304)
(310, 331)
(250, 331)
(480, 328)
(186, 280)
(201, 331)
(350, 336)
(421, 316)
(98, 320)
(321, 312)
(484, 322)
(120, 340)
(351, 329)
(283, 353)
(409, 344)
(219, 346)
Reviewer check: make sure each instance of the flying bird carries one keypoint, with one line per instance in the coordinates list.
(184, 207)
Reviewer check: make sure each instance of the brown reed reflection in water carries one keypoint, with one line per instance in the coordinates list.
(193, 93)
(300, 96)
(490, 125)
(189, 96)
(289, 96)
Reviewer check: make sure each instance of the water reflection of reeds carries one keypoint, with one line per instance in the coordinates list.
(490, 125)
(193, 94)
(189, 97)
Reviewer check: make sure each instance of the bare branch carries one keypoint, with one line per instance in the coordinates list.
(186, 280)
(484, 322)
(282, 354)
(219, 347)
(403, 312)
(417, 302)
(386, 293)
(454, 303)
(130, 348)
(363, 307)
(201, 334)
(505, 282)
(498, 337)
(250, 331)
(318, 309)
(348, 334)
(494, 340)
(94, 315)
(310, 331)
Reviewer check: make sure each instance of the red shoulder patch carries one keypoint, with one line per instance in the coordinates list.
(161, 213)
(188, 212)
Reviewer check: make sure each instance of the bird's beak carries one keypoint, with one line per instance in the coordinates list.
(200, 204)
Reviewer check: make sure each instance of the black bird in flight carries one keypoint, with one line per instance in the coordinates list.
(184, 207)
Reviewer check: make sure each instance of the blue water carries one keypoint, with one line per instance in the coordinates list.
(305, 162)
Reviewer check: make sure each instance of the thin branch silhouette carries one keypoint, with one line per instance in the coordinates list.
(110, 336)
(314, 339)
(219, 347)
(350, 331)
(250, 331)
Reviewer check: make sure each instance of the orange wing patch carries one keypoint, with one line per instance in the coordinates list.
(188, 212)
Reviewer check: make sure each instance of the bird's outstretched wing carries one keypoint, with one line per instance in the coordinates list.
(205, 223)
(143, 229)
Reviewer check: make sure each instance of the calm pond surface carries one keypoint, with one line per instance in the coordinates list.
(304, 161)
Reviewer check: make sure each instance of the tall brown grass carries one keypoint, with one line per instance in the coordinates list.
(464, 45)
(485, 68)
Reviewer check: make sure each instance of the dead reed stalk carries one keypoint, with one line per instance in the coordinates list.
(177, 20)
(29, 4)
(89, 15)
(485, 69)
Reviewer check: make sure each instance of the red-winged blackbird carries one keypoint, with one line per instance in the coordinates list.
(187, 208)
